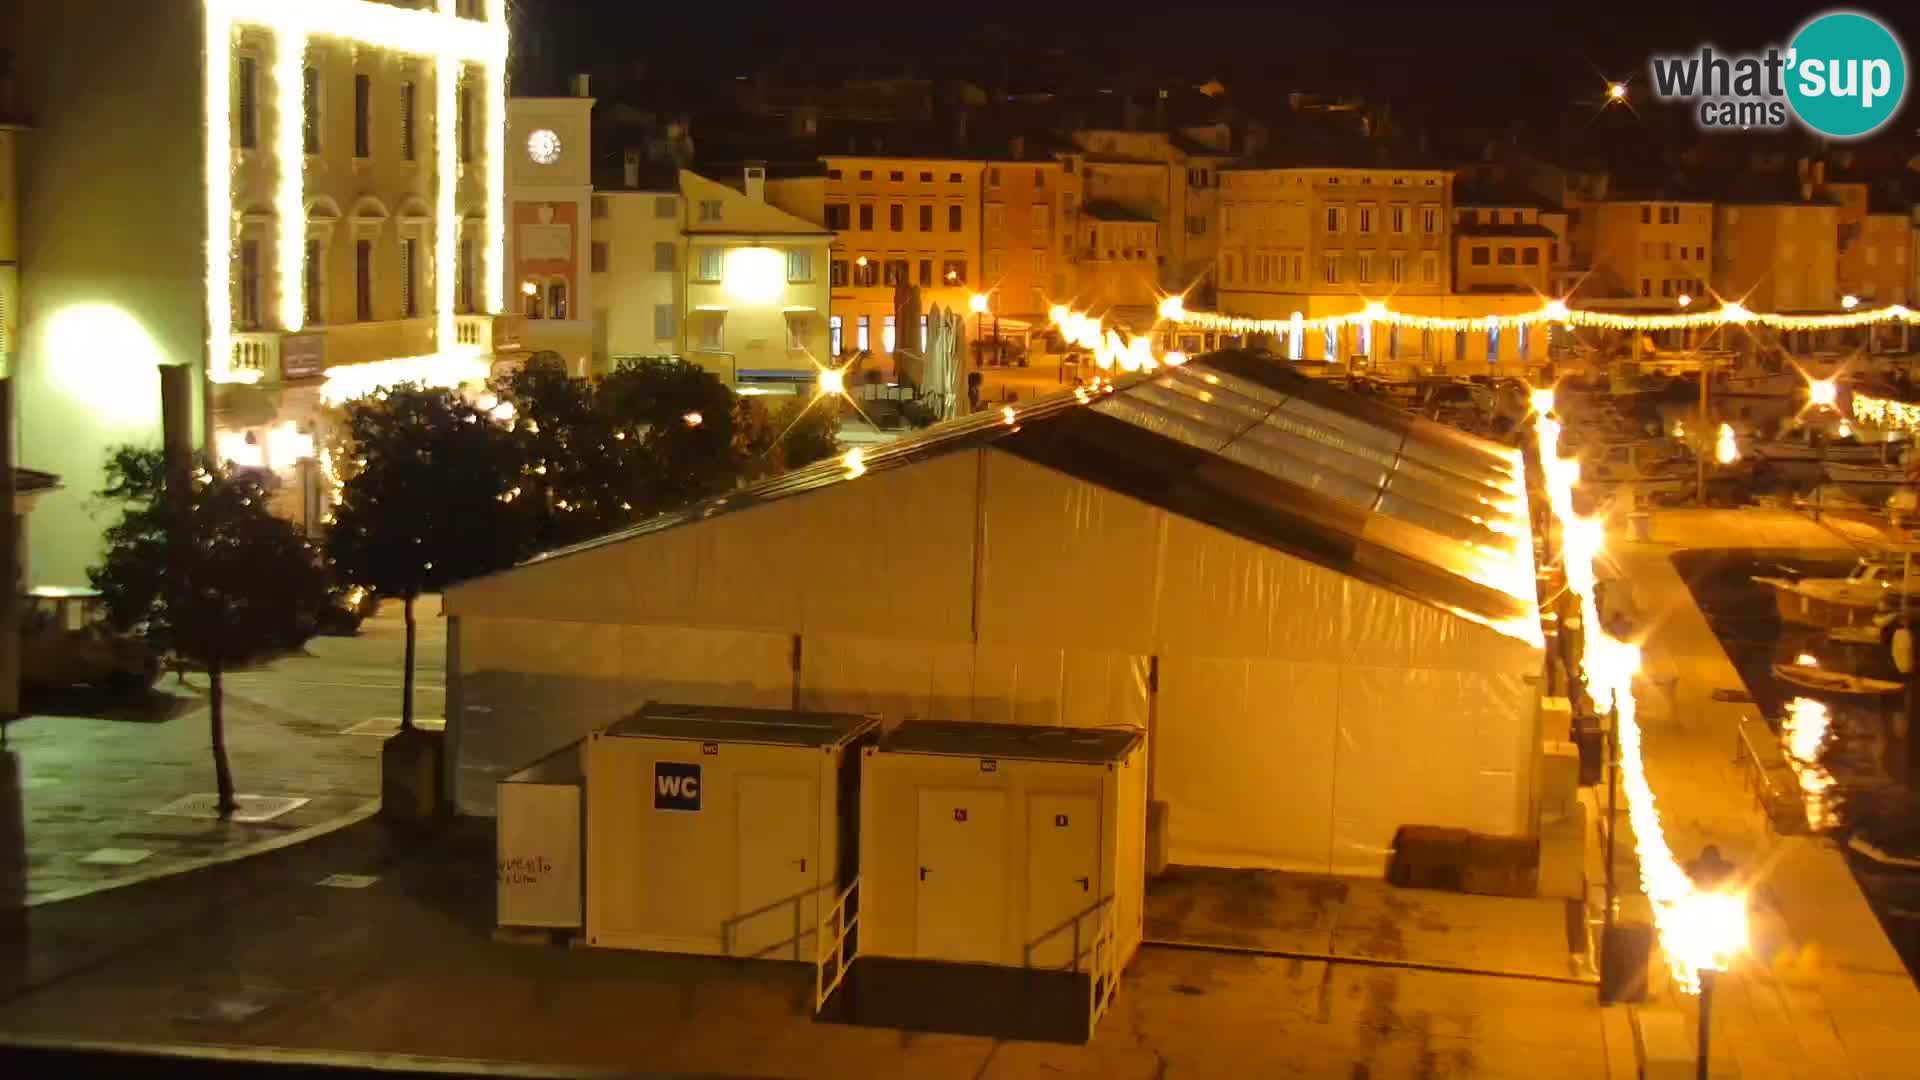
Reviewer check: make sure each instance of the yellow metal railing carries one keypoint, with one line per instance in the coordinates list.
(1103, 975)
(836, 946)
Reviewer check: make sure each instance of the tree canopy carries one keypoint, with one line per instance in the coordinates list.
(429, 499)
(238, 585)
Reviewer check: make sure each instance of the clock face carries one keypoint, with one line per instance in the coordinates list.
(543, 146)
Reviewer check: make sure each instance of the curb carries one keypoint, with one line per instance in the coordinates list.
(357, 814)
(237, 1055)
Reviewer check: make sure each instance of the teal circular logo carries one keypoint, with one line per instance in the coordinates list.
(1846, 74)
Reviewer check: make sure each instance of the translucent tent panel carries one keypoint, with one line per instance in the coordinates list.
(523, 688)
(1432, 500)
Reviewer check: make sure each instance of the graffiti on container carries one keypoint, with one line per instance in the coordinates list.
(524, 869)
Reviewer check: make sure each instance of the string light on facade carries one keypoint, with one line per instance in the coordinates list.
(1699, 930)
(1731, 313)
(439, 35)
(437, 370)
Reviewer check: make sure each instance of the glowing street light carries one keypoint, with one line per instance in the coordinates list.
(861, 261)
(830, 382)
(1849, 301)
(1726, 451)
(1617, 91)
(528, 288)
(1685, 300)
(977, 302)
(1173, 308)
(1822, 392)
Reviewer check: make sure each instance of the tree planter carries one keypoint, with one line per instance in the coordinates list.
(410, 777)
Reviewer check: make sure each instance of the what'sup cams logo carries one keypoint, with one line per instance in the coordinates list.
(1843, 76)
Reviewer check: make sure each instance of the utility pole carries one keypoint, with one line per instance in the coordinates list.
(1707, 979)
(1700, 434)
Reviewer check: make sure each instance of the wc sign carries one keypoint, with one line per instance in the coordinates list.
(676, 786)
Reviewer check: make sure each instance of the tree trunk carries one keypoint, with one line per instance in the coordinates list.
(406, 682)
(222, 775)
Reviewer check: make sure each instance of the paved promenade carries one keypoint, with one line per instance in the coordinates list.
(1825, 995)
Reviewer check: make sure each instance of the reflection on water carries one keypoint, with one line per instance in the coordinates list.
(1849, 752)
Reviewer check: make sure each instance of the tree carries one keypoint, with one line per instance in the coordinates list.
(682, 417)
(811, 432)
(430, 501)
(800, 433)
(212, 578)
(584, 477)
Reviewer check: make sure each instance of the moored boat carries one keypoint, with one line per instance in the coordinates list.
(1844, 473)
(1822, 681)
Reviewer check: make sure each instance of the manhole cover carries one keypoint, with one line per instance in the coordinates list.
(114, 856)
(348, 881)
(1738, 697)
(252, 808)
(384, 726)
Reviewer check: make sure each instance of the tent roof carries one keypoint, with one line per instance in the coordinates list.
(1248, 447)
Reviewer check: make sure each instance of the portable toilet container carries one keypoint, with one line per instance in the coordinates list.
(994, 848)
(537, 845)
(719, 830)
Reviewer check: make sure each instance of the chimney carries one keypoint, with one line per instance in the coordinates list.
(582, 84)
(631, 169)
(1819, 174)
(1160, 111)
(756, 181)
(1803, 169)
(960, 129)
(1017, 148)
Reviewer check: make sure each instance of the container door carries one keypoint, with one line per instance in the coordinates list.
(1063, 878)
(962, 874)
(776, 852)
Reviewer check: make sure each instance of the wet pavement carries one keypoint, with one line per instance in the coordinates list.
(258, 953)
(1315, 915)
(96, 794)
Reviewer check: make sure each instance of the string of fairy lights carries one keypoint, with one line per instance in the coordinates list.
(1729, 313)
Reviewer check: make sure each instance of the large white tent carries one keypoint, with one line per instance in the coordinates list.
(1319, 608)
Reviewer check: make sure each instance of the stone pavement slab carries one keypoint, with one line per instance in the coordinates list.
(1317, 915)
(88, 781)
(255, 953)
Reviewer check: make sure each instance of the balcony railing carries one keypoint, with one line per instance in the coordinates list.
(490, 333)
(256, 356)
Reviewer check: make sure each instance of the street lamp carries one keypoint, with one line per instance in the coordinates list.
(1849, 301)
(977, 303)
(1617, 91)
(1685, 300)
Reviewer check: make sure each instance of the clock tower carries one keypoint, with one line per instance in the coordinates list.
(549, 214)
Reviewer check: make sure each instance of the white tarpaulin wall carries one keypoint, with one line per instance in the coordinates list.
(1302, 715)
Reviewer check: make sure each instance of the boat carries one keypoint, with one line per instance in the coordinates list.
(1843, 473)
(1848, 453)
(1823, 681)
(1853, 600)
(1648, 464)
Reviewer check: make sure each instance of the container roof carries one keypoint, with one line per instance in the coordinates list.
(717, 723)
(1014, 742)
(1241, 443)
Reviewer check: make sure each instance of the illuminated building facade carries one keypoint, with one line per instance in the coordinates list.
(894, 220)
(295, 199)
(1778, 254)
(755, 282)
(1501, 244)
(1647, 253)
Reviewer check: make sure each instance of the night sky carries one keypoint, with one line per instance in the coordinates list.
(1487, 64)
